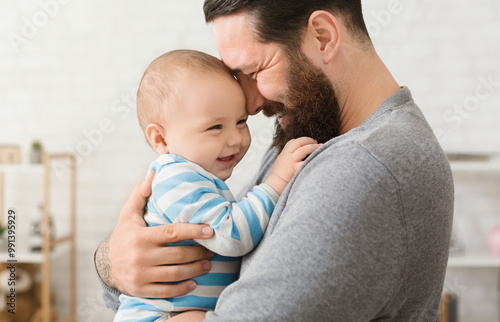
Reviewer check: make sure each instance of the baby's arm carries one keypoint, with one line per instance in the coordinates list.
(289, 161)
(183, 194)
(189, 316)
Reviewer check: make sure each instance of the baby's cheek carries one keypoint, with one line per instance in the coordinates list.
(246, 142)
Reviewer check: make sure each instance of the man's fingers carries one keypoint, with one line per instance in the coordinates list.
(172, 233)
(157, 290)
(146, 187)
(172, 273)
(178, 255)
(176, 273)
(134, 208)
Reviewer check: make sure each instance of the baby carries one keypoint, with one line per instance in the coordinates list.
(192, 111)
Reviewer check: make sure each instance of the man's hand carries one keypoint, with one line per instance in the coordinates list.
(134, 259)
(289, 161)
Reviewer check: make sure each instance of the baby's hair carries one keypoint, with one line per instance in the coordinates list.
(166, 76)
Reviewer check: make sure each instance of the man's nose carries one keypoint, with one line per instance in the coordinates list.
(254, 99)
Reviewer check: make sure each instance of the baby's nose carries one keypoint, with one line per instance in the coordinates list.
(234, 138)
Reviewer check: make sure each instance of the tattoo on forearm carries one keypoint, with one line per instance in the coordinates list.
(102, 262)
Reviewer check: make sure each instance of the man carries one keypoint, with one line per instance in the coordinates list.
(362, 232)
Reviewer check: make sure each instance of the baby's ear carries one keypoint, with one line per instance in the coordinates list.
(156, 137)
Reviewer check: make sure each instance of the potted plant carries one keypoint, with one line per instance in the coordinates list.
(3, 240)
(36, 152)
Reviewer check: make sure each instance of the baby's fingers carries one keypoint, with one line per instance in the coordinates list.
(297, 165)
(305, 150)
(294, 144)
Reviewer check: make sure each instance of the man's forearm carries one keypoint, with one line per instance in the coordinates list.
(102, 263)
(102, 266)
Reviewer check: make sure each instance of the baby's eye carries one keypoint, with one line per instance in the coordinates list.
(242, 121)
(215, 127)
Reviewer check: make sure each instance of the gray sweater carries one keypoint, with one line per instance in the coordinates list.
(361, 233)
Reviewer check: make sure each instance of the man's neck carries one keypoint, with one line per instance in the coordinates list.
(368, 84)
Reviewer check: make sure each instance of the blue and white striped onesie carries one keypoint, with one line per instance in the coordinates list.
(184, 192)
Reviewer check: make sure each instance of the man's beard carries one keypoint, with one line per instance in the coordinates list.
(310, 105)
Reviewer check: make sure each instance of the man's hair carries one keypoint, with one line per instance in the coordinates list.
(284, 21)
(166, 76)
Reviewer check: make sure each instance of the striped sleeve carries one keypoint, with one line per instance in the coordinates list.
(184, 192)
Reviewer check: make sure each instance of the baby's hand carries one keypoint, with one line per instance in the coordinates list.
(289, 161)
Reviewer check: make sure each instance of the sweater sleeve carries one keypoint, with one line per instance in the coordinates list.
(183, 193)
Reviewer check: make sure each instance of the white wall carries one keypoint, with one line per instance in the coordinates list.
(448, 54)
(70, 70)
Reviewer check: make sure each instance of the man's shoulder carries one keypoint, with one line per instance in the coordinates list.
(343, 168)
(398, 138)
(395, 149)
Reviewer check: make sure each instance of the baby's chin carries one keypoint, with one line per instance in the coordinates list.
(224, 175)
(223, 178)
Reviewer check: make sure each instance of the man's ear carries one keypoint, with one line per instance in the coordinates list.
(156, 137)
(323, 36)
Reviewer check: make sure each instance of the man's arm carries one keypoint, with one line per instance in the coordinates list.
(102, 263)
(132, 259)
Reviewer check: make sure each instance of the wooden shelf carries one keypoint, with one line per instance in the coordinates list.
(62, 247)
(475, 260)
(22, 168)
(28, 257)
(492, 165)
(478, 260)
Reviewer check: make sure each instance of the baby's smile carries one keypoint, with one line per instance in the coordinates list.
(227, 161)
